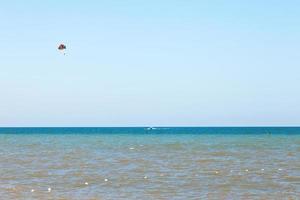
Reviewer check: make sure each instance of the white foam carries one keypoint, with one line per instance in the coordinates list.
(131, 148)
(49, 189)
(145, 177)
(246, 170)
(86, 183)
(32, 190)
(279, 169)
(262, 169)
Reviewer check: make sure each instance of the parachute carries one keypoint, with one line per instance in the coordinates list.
(62, 48)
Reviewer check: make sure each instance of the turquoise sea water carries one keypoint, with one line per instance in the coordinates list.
(160, 163)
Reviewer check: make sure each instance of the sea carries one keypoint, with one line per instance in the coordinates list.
(150, 163)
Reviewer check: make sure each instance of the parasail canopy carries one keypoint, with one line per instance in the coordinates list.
(62, 47)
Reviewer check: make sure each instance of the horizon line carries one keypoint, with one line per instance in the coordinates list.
(246, 126)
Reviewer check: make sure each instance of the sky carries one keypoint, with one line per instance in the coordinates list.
(150, 63)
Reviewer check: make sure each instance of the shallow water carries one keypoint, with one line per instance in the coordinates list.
(163, 163)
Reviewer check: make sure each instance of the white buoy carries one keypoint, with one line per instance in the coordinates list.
(32, 190)
(49, 189)
(106, 180)
(86, 183)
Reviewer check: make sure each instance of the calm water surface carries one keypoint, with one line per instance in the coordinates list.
(162, 163)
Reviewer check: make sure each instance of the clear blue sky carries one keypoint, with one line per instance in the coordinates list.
(150, 63)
